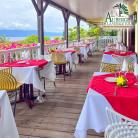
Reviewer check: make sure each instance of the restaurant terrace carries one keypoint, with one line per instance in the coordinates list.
(86, 88)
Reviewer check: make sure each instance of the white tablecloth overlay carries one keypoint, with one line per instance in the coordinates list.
(106, 49)
(8, 127)
(92, 47)
(29, 75)
(72, 58)
(93, 115)
(107, 58)
(84, 51)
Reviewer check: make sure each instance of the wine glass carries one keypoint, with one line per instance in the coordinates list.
(119, 69)
(27, 60)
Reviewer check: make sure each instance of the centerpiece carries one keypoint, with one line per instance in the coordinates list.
(121, 81)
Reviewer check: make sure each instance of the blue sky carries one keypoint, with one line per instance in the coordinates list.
(21, 15)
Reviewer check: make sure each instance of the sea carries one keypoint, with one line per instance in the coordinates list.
(23, 38)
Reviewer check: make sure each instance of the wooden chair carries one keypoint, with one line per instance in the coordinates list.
(8, 70)
(60, 59)
(111, 49)
(78, 50)
(108, 67)
(131, 67)
(9, 83)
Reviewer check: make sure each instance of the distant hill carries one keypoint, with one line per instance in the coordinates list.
(25, 33)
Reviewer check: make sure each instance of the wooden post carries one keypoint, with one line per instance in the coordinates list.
(122, 36)
(40, 20)
(78, 28)
(66, 15)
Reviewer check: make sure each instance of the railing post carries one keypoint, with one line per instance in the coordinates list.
(66, 15)
(78, 28)
(40, 20)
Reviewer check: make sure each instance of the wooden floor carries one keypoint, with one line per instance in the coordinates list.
(58, 115)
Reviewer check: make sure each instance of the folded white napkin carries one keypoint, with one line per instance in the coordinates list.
(136, 69)
(23, 55)
(27, 55)
(121, 48)
(117, 46)
(125, 66)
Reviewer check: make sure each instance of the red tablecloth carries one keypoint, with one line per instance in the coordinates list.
(113, 52)
(126, 101)
(40, 63)
(72, 51)
(79, 46)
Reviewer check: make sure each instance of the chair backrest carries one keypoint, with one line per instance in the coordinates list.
(7, 81)
(130, 58)
(58, 57)
(8, 70)
(131, 67)
(108, 67)
(121, 126)
(116, 59)
(78, 50)
(111, 49)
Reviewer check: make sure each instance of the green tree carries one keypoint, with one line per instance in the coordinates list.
(73, 33)
(96, 32)
(47, 38)
(34, 39)
(57, 38)
(4, 39)
(90, 31)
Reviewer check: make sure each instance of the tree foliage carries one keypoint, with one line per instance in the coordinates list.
(57, 38)
(4, 39)
(34, 39)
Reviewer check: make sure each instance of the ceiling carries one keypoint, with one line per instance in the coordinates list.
(91, 9)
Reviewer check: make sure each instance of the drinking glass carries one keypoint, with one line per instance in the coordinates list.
(27, 60)
(136, 79)
(125, 72)
(118, 68)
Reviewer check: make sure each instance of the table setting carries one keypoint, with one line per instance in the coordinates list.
(107, 56)
(84, 49)
(115, 47)
(29, 71)
(118, 91)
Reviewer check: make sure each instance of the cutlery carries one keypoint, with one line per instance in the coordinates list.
(115, 74)
(126, 86)
(115, 91)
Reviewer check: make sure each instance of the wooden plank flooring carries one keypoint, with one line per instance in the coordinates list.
(58, 115)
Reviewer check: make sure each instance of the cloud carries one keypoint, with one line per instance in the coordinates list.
(21, 15)
(19, 26)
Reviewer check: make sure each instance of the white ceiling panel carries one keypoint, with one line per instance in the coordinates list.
(90, 9)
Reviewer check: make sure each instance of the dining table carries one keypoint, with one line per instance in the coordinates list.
(71, 56)
(28, 74)
(109, 47)
(107, 56)
(8, 127)
(100, 94)
(84, 49)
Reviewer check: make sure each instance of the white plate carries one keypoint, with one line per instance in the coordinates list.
(111, 79)
(21, 62)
